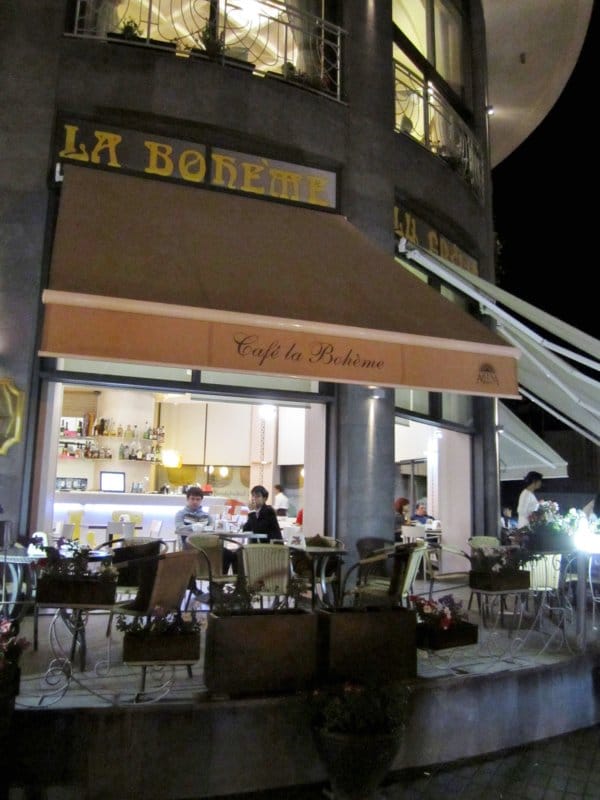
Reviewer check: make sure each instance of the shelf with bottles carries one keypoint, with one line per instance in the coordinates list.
(92, 449)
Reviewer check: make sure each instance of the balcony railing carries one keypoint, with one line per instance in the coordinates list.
(274, 39)
(425, 116)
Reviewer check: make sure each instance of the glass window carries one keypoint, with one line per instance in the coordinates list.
(435, 28)
(416, 400)
(411, 17)
(259, 381)
(457, 408)
(121, 368)
(448, 44)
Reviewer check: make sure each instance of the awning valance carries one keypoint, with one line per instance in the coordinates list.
(161, 273)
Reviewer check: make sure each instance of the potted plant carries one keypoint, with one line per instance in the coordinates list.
(129, 30)
(357, 729)
(212, 43)
(548, 531)
(66, 578)
(442, 623)
(160, 638)
(499, 568)
(11, 648)
(251, 650)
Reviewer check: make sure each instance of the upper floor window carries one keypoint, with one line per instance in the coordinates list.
(294, 40)
(435, 29)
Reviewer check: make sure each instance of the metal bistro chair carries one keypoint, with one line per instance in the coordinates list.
(133, 560)
(163, 586)
(209, 565)
(373, 589)
(546, 587)
(165, 590)
(267, 571)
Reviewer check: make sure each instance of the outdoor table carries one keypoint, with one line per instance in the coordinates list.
(318, 557)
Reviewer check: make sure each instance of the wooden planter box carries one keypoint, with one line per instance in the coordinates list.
(166, 648)
(259, 652)
(548, 541)
(360, 644)
(499, 581)
(71, 591)
(430, 637)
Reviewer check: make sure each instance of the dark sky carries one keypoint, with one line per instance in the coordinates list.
(546, 203)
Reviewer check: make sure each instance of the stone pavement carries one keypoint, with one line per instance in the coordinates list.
(562, 768)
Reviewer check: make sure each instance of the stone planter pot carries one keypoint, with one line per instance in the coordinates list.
(165, 648)
(356, 764)
(499, 581)
(545, 540)
(432, 637)
(72, 591)
(260, 651)
(359, 644)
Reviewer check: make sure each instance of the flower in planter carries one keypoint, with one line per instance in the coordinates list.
(11, 644)
(160, 623)
(547, 516)
(499, 559)
(442, 613)
(70, 560)
(361, 708)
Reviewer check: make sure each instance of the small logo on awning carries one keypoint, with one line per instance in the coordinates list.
(487, 374)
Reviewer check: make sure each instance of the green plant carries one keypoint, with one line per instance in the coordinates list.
(361, 708)
(240, 597)
(131, 29)
(71, 560)
(213, 43)
(159, 623)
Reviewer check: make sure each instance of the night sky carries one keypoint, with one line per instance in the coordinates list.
(546, 201)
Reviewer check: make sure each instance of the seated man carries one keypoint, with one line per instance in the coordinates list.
(421, 516)
(263, 519)
(192, 519)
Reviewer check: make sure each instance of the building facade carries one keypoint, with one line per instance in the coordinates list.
(389, 107)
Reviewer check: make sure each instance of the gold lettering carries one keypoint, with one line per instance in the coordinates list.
(433, 242)
(70, 147)
(410, 228)
(289, 184)
(192, 166)
(106, 141)
(223, 164)
(159, 158)
(317, 186)
(251, 172)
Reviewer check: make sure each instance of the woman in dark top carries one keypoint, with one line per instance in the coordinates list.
(263, 519)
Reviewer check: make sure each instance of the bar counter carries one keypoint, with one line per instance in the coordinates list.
(98, 508)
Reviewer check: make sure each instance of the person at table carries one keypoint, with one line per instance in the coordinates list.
(528, 502)
(421, 517)
(281, 502)
(402, 510)
(192, 519)
(507, 520)
(263, 518)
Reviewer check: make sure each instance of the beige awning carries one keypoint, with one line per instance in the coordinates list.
(162, 273)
